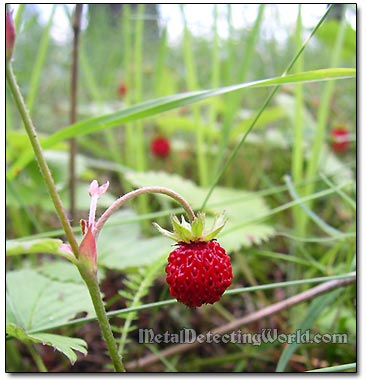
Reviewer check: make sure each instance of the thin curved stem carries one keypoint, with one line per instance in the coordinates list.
(143, 190)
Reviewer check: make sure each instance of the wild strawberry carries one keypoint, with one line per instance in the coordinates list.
(340, 140)
(122, 89)
(10, 34)
(199, 270)
(160, 147)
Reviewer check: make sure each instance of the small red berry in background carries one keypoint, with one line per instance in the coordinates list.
(122, 89)
(199, 269)
(340, 141)
(160, 147)
(10, 34)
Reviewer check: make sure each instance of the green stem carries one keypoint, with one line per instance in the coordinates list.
(91, 281)
(36, 357)
(45, 171)
(89, 277)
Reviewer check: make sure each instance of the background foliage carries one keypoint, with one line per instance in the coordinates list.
(289, 197)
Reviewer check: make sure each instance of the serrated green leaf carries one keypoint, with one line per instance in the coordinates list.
(61, 343)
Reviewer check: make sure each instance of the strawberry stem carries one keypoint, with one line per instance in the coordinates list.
(143, 190)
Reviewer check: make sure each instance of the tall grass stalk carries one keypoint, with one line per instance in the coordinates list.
(262, 108)
(128, 79)
(233, 102)
(38, 65)
(297, 159)
(215, 76)
(139, 140)
(160, 62)
(192, 84)
(139, 143)
(322, 119)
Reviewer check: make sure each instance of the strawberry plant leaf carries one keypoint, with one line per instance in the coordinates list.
(35, 302)
(35, 246)
(61, 343)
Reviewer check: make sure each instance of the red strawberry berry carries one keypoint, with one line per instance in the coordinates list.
(340, 141)
(199, 270)
(198, 273)
(122, 89)
(160, 147)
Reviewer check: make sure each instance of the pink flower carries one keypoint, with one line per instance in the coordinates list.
(88, 246)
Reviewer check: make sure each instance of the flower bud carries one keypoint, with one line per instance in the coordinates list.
(10, 35)
(88, 252)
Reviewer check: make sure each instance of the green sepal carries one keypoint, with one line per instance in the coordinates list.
(198, 225)
(165, 232)
(195, 231)
(218, 225)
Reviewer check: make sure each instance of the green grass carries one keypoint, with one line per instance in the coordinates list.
(247, 115)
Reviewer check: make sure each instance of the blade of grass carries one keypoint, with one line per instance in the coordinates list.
(265, 104)
(160, 61)
(282, 256)
(336, 368)
(192, 84)
(329, 282)
(282, 208)
(128, 80)
(322, 117)
(139, 141)
(156, 106)
(311, 214)
(340, 192)
(316, 308)
(297, 159)
(18, 16)
(215, 76)
(169, 366)
(41, 55)
(256, 316)
(234, 100)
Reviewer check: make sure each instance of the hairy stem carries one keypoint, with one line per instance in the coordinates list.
(91, 281)
(45, 171)
(143, 190)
